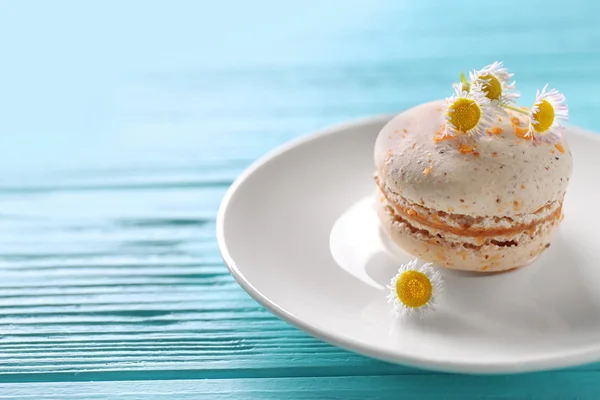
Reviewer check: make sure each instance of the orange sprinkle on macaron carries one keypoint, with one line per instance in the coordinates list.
(494, 154)
(465, 148)
(521, 132)
(496, 130)
(427, 170)
(560, 148)
(404, 130)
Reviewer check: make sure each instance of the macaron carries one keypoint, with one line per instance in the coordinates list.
(488, 205)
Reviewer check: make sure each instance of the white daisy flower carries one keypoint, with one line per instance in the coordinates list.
(495, 84)
(545, 115)
(468, 113)
(414, 290)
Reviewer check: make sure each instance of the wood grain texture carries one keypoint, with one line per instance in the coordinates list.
(117, 145)
(546, 386)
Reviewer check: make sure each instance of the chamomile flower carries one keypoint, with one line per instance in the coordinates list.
(545, 115)
(468, 113)
(495, 84)
(414, 290)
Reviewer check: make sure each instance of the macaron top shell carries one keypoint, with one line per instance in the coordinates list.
(500, 174)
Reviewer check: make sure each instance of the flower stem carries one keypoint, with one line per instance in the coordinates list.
(516, 109)
(464, 84)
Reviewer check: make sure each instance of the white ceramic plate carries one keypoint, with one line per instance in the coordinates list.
(299, 234)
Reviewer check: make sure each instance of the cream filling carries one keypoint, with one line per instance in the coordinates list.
(430, 225)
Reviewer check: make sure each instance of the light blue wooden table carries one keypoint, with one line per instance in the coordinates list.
(122, 123)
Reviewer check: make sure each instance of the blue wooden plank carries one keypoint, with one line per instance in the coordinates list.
(547, 386)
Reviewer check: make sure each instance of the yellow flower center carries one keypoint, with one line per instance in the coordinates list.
(491, 86)
(466, 114)
(413, 289)
(543, 118)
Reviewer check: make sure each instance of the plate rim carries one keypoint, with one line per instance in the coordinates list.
(577, 358)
